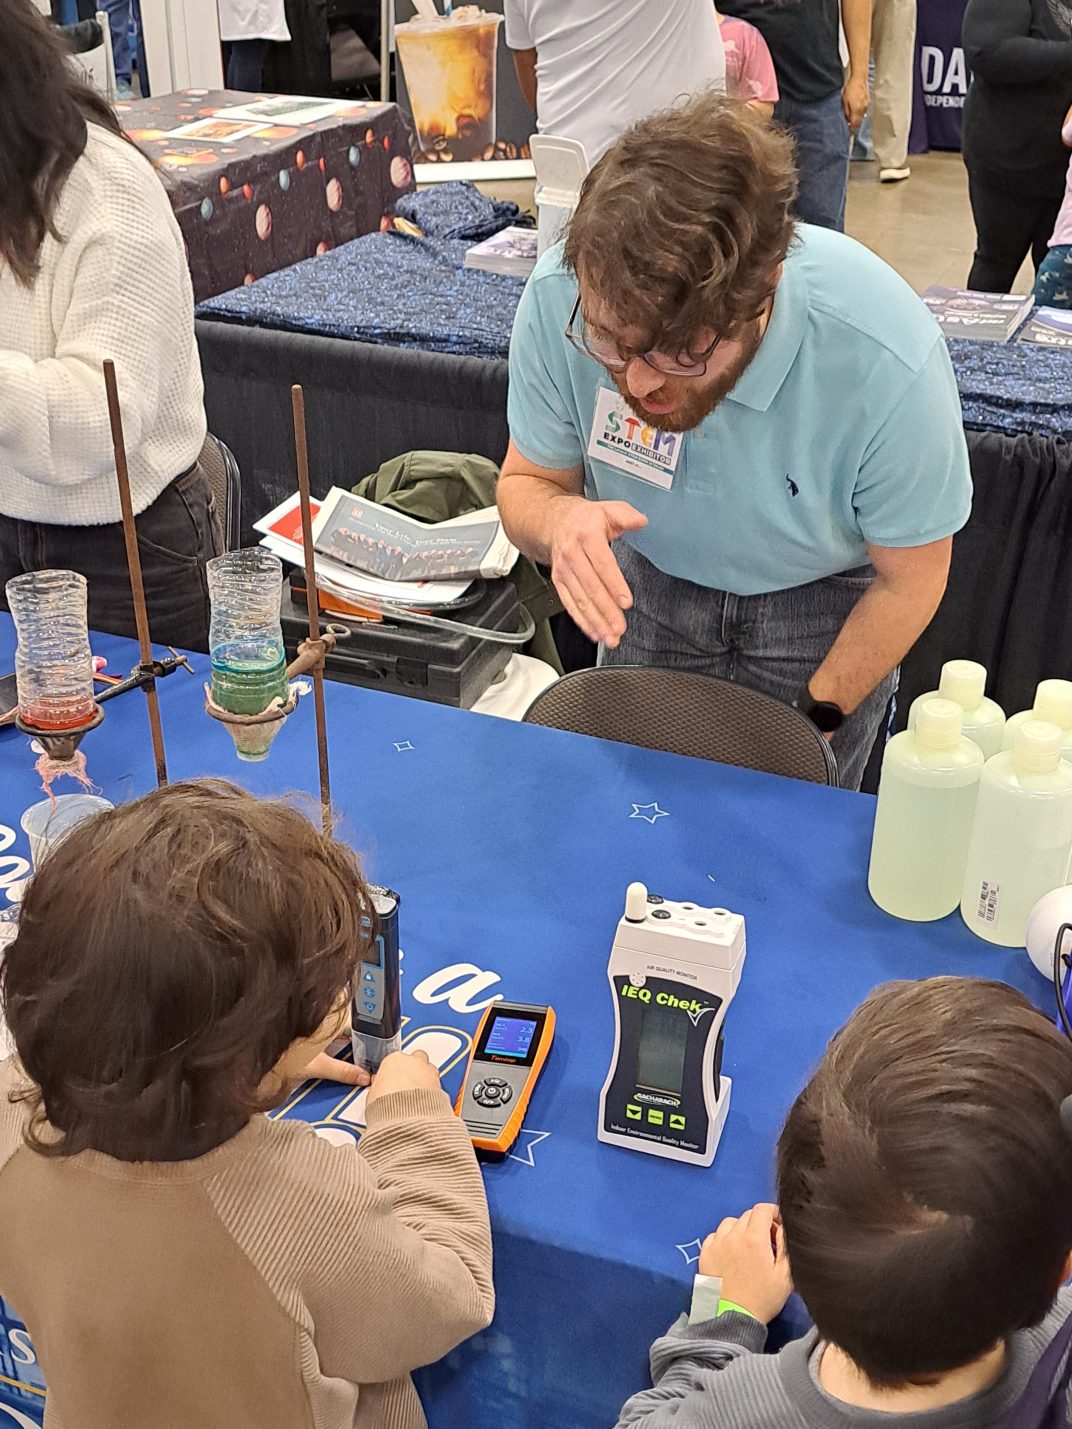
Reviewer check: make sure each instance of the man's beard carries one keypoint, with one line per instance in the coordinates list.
(700, 398)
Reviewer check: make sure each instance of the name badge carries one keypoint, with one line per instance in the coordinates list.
(621, 439)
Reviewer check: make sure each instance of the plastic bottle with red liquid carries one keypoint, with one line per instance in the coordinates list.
(53, 664)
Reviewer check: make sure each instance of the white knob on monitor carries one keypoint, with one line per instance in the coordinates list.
(636, 903)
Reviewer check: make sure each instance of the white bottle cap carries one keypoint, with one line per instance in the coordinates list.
(1053, 702)
(636, 903)
(938, 723)
(964, 682)
(1037, 747)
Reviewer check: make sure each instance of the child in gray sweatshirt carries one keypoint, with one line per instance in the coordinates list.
(924, 1216)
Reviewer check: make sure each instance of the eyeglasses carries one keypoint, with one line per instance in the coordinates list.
(608, 354)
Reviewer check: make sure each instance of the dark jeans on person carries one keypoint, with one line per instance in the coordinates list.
(772, 643)
(1008, 226)
(245, 64)
(177, 534)
(823, 144)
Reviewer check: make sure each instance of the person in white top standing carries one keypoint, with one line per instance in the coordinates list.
(246, 27)
(92, 266)
(591, 70)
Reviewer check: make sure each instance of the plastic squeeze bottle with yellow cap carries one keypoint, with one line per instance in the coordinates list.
(1022, 835)
(923, 816)
(964, 682)
(1053, 703)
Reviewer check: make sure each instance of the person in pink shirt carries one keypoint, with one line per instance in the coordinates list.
(749, 68)
(1053, 281)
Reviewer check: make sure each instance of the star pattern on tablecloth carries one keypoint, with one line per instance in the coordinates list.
(402, 745)
(689, 1246)
(534, 1139)
(649, 812)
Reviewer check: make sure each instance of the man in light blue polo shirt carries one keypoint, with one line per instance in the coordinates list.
(760, 418)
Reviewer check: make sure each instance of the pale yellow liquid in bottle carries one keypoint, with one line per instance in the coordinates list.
(923, 821)
(1020, 844)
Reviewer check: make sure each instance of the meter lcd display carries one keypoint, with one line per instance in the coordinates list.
(510, 1037)
(661, 1051)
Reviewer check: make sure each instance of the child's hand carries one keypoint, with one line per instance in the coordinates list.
(404, 1072)
(334, 1069)
(749, 1254)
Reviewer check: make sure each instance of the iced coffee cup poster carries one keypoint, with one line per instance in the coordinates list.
(459, 92)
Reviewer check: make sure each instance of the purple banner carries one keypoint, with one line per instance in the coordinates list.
(941, 76)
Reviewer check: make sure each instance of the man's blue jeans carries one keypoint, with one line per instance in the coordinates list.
(823, 143)
(773, 643)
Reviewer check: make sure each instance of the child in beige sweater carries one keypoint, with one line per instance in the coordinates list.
(179, 1259)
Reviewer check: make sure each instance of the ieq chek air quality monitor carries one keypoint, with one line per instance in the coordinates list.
(673, 971)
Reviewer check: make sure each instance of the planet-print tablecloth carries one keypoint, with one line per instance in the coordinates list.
(253, 203)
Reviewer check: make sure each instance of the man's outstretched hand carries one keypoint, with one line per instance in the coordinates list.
(583, 567)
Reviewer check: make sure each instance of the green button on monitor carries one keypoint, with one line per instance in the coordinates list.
(655, 1117)
(633, 1113)
(677, 1123)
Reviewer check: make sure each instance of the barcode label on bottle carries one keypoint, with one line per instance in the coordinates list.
(989, 899)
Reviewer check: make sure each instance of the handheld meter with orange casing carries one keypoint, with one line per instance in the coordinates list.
(512, 1043)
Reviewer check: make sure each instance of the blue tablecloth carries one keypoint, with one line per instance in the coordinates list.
(386, 288)
(395, 289)
(511, 846)
(1014, 387)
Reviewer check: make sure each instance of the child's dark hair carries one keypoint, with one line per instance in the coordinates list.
(925, 1180)
(168, 953)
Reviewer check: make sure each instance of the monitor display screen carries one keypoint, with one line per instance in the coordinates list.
(661, 1053)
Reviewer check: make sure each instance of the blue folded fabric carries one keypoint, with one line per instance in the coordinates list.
(459, 210)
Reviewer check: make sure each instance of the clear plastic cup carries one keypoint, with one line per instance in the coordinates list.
(48, 823)
(449, 63)
(53, 664)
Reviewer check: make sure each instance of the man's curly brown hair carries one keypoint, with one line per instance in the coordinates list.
(681, 225)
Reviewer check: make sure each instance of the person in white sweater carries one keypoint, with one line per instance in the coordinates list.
(92, 266)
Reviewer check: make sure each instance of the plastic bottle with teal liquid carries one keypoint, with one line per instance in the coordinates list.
(249, 665)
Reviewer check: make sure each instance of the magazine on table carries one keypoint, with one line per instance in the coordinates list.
(286, 109)
(282, 535)
(982, 317)
(1049, 327)
(374, 541)
(511, 253)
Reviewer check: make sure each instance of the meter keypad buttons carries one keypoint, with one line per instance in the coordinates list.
(633, 1113)
(494, 1082)
(655, 1117)
(677, 1123)
(506, 1094)
(478, 1091)
(661, 913)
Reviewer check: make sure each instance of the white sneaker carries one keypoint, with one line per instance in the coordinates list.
(893, 176)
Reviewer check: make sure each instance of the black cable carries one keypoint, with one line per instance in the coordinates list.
(1058, 977)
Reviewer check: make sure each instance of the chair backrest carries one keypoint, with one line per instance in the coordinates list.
(91, 52)
(684, 713)
(219, 465)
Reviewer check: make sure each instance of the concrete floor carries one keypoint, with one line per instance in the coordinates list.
(922, 227)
